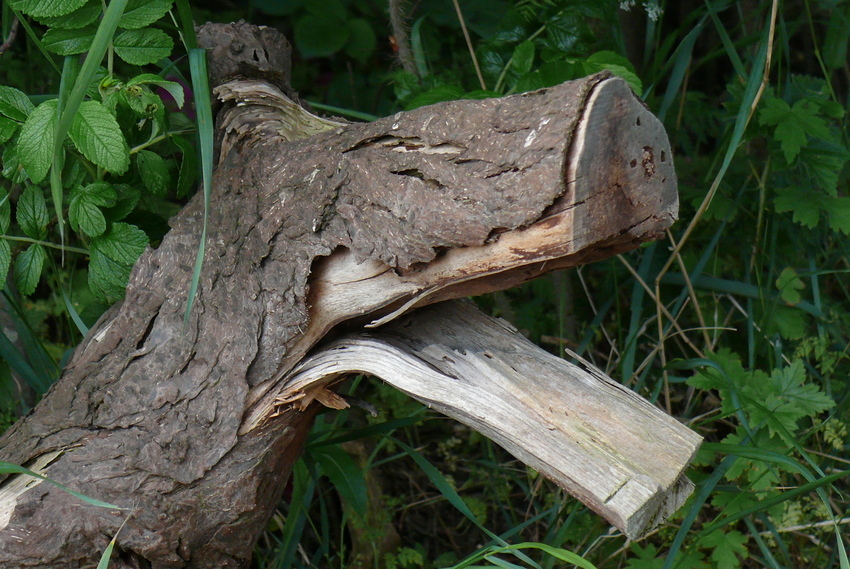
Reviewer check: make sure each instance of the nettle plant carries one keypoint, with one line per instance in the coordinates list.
(88, 171)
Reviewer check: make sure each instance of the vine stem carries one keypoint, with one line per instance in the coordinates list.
(67, 248)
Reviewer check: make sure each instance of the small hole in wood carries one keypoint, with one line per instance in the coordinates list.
(637, 121)
(663, 156)
(633, 163)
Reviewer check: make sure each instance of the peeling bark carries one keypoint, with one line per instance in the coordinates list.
(173, 422)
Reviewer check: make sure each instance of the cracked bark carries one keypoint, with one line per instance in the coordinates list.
(183, 425)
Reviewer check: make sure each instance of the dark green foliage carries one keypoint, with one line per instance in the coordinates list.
(738, 325)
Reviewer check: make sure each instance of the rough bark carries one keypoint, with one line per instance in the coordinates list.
(171, 421)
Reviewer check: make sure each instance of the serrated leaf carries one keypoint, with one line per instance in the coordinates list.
(788, 398)
(128, 197)
(788, 321)
(824, 162)
(839, 215)
(142, 47)
(28, 268)
(727, 548)
(8, 127)
(123, 243)
(35, 143)
(12, 169)
(46, 8)
(319, 36)
(85, 217)
(101, 194)
(141, 13)
(789, 284)
(5, 260)
(112, 257)
(523, 57)
(805, 205)
(32, 213)
(174, 89)
(79, 18)
(14, 104)
(96, 134)
(5, 213)
(154, 172)
(69, 42)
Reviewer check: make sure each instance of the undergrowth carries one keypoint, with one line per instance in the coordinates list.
(737, 323)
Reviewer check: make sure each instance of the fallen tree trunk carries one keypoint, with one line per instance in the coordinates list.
(184, 425)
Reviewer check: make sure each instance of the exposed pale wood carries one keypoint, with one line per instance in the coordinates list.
(184, 421)
(604, 444)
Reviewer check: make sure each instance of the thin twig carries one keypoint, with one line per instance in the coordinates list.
(469, 45)
(13, 32)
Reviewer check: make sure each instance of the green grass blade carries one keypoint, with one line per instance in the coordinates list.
(9, 468)
(75, 316)
(203, 107)
(35, 39)
(187, 25)
(681, 61)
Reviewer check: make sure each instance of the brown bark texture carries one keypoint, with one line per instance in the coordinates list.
(150, 413)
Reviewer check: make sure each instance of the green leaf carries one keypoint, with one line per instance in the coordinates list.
(320, 36)
(84, 211)
(789, 285)
(112, 257)
(154, 172)
(5, 260)
(79, 18)
(14, 104)
(805, 205)
(141, 13)
(789, 398)
(45, 8)
(174, 89)
(788, 321)
(728, 547)
(362, 42)
(85, 217)
(69, 42)
(5, 213)
(141, 47)
(523, 57)
(32, 213)
(839, 215)
(344, 474)
(96, 134)
(8, 127)
(793, 124)
(128, 197)
(28, 268)
(35, 143)
(824, 162)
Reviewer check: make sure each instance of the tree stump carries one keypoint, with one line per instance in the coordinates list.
(194, 428)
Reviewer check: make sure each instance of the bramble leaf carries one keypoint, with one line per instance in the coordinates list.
(14, 104)
(523, 57)
(141, 13)
(112, 257)
(69, 42)
(5, 259)
(7, 129)
(32, 213)
(154, 172)
(141, 47)
(35, 143)
(5, 213)
(46, 8)
(28, 266)
(361, 43)
(96, 134)
(79, 18)
(85, 217)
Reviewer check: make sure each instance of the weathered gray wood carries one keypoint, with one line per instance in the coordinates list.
(171, 419)
(621, 456)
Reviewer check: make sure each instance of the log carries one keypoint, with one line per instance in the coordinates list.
(617, 453)
(316, 227)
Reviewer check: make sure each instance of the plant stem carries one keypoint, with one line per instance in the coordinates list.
(67, 248)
